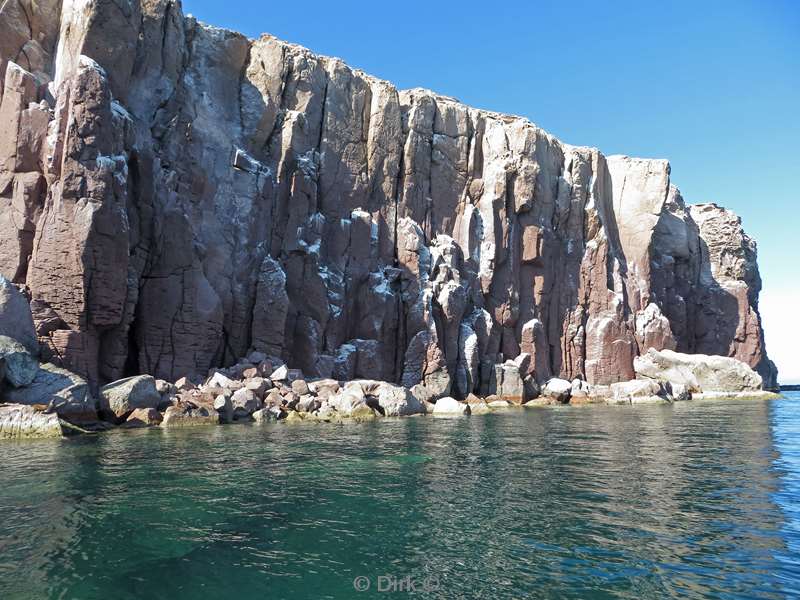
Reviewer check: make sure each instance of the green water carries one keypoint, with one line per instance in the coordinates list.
(695, 500)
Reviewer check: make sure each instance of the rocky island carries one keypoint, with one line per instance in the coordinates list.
(199, 228)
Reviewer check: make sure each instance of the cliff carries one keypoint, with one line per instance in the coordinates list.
(175, 195)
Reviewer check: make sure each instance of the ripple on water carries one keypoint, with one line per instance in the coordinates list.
(690, 500)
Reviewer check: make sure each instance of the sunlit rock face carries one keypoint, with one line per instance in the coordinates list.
(175, 195)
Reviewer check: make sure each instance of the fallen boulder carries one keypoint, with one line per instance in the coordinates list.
(62, 391)
(186, 415)
(122, 397)
(698, 372)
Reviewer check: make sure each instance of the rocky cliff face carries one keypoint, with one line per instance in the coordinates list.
(174, 195)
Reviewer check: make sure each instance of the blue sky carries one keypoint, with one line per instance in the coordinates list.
(712, 86)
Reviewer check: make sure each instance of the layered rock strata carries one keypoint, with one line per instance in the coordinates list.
(175, 196)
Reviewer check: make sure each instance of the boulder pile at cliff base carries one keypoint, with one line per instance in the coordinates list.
(43, 400)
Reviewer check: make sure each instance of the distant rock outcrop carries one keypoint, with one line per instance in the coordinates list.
(175, 196)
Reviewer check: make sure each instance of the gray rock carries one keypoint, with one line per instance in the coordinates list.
(558, 390)
(125, 395)
(450, 406)
(698, 372)
(245, 403)
(184, 415)
(61, 391)
(224, 407)
(17, 364)
(19, 421)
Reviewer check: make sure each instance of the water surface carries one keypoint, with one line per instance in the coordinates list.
(695, 500)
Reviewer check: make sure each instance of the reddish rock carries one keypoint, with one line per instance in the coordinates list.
(182, 197)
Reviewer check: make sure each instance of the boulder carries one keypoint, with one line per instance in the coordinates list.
(186, 415)
(558, 390)
(16, 321)
(495, 404)
(267, 415)
(639, 391)
(508, 383)
(143, 417)
(245, 403)
(450, 406)
(121, 397)
(62, 391)
(280, 374)
(479, 408)
(396, 401)
(17, 364)
(698, 372)
(300, 387)
(224, 407)
(362, 412)
(20, 421)
(308, 403)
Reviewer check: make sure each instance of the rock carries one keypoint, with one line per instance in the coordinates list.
(346, 399)
(121, 397)
(256, 357)
(19, 421)
(396, 401)
(639, 391)
(558, 390)
(508, 382)
(308, 404)
(300, 387)
(224, 407)
(266, 415)
(61, 391)
(280, 374)
(495, 404)
(698, 373)
(258, 385)
(310, 211)
(294, 417)
(184, 384)
(250, 372)
(185, 415)
(17, 364)
(220, 380)
(323, 388)
(15, 317)
(143, 417)
(245, 403)
(362, 412)
(450, 406)
(479, 408)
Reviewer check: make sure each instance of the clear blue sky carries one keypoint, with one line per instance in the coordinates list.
(712, 86)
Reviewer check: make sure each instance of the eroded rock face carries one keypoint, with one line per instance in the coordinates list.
(175, 196)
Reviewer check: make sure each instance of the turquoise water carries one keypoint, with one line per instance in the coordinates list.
(695, 500)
